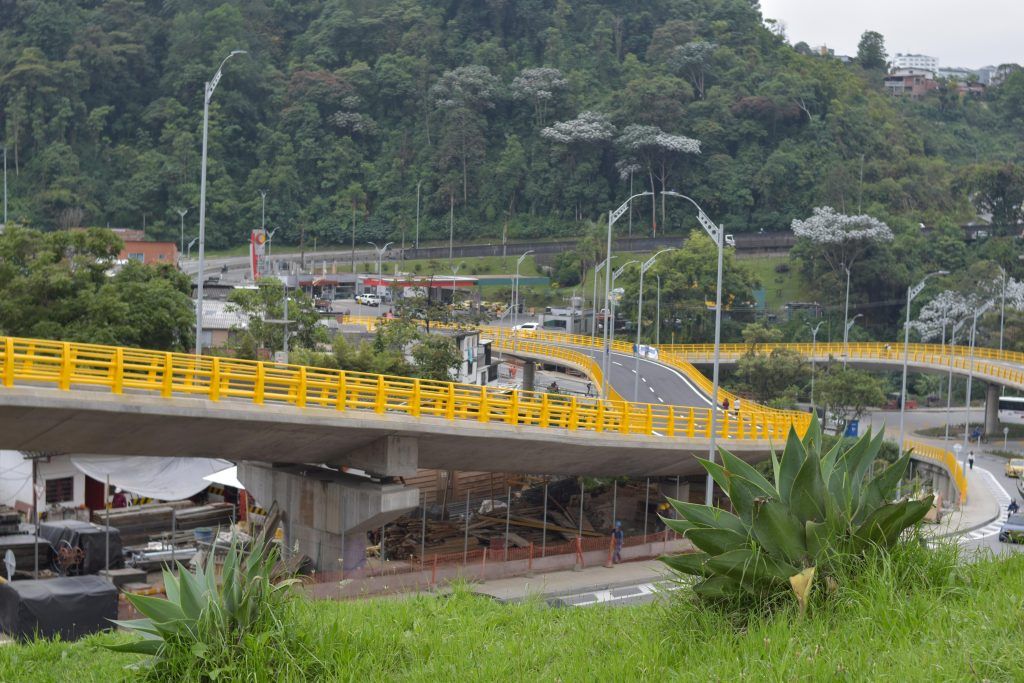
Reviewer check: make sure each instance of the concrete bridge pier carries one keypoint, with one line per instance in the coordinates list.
(327, 513)
(992, 409)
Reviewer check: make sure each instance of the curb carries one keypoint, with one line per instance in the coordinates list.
(559, 593)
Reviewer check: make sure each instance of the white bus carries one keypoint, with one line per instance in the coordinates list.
(1011, 410)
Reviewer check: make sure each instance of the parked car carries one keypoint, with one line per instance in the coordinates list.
(1015, 467)
(368, 299)
(323, 304)
(527, 327)
(1012, 530)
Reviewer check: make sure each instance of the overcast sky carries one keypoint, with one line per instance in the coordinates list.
(959, 33)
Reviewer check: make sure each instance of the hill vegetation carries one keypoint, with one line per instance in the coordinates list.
(521, 118)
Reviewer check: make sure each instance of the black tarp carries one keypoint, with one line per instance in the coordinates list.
(69, 606)
(91, 538)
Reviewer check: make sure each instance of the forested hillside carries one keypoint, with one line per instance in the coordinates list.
(529, 116)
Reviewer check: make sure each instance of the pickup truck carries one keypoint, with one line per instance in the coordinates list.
(324, 305)
(368, 299)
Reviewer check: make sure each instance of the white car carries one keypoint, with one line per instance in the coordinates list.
(527, 327)
(368, 299)
(730, 241)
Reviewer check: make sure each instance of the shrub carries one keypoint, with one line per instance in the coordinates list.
(820, 515)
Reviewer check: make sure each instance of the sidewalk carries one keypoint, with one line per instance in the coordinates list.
(555, 584)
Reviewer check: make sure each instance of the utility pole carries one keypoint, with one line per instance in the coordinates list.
(5, 188)
(263, 210)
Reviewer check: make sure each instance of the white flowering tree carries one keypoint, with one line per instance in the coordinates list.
(950, 307)
(541, 87)
(655, 150)
(579, 139)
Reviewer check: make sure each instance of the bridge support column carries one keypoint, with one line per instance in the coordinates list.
(529, 374)
(326, 510)
(992, 409)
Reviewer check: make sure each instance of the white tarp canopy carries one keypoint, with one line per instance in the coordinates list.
(228, 477)
(151, 477)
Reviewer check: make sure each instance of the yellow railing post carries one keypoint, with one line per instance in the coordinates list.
(341, 399)
(707, 424)
(65, 366)
(545, 411)
(449, 409)
(725, 424)
(381, 399)
(8, 361)
(649, 421)
(691, 424)
(300, 392)
(513, 408)
(574, 414)
(414, 403)
(214, 379)
(670, 424)
(167, 381)
(599, 419)
(117, 385)
(624, 422)
(485, 415)
(261, 380)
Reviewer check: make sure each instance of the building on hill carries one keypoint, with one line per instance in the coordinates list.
(148, 252)
(915, 61)
(913, 83)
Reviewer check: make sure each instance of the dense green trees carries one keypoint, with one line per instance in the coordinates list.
(62, 285)
(341, 108)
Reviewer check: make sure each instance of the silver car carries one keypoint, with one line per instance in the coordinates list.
(1012, 530)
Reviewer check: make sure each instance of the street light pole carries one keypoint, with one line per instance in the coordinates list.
(644, 267)
(911, 293)
(846, 336)
(949, 387)
(181, 248)
(515, 297)
(814, 350)
(188, 256)
(270, 243)
(208, 89)
(978, 312)
(612, 217)
(380, 256)
(846, 318)
(657, 315)
(613, 295)
(5, 188)
(418, 213)
(593, 317)
(717, 235)
(263, 210)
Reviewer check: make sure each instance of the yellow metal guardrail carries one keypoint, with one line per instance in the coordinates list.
(944, 458)
(67, 365)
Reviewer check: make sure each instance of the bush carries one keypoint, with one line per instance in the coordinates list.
(824, 512)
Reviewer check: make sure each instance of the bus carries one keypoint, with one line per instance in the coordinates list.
(1011, 410)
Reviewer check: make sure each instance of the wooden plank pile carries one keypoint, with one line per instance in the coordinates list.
(139, 523)
(24, 547)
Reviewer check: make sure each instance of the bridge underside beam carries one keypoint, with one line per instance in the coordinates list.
(389, 456)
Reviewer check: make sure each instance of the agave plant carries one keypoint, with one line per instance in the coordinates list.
(197, 608)
(821, 508)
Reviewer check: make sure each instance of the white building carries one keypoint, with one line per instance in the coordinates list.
(909, 61)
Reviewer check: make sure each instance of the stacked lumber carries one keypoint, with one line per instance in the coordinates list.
(140, 522)
(10, 520)
(24, 547)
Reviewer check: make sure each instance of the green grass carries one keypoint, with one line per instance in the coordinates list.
(779, 288)
(916, 617)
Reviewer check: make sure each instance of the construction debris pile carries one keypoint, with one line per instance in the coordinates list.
(447, 530)
(141, 523)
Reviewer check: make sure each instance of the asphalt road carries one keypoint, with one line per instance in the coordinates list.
(990, 541)
(659, 383)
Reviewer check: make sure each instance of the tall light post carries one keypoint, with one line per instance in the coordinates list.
(1002, 310)
(612, 217)
(949, 387)
(814, 350)
(846, 318)
(208, 89)
(911, 293)
(188, 256)
(418, 213)
(644, 267)
(270, 243)
(515, 292)
(611, 299)
(5, 187)
(380, 257)
(263, 210)
(657, 314)
(717, 235)
(181, 248)
(593, 317)
(455, 271)
(978, 312)
(846, 336)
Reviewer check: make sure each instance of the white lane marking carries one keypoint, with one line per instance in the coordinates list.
(684, 378)
(661, 400)
(1002, 499)
(644, 379)
(615, 362)
(606, 596)
(652, 389)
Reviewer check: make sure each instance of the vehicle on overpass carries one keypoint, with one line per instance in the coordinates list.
(1015, 467)
(1012, 530)
(1011, 410)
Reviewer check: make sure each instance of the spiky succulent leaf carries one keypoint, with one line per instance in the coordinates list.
(687, 563)
(170, 585)
(717, 473)
(717, 541)
(736, 466)
(146, 646)
(743, 494)
(792, 460)
(158, 610)
(880, 489)
(718, 587)
(813, 437)
(779, 532)
(680, 526)
(807, 498)
(751, 566)
(704, 516)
